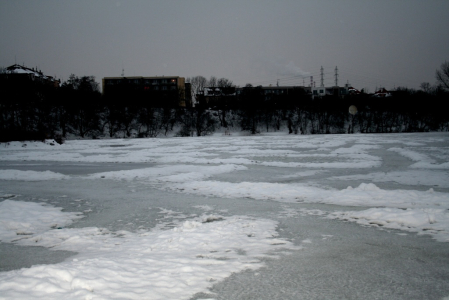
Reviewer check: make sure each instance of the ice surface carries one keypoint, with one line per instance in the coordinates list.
(177, 218)
(422, 221)
(423, 161)
(20, 220)
(30, 175)
(161, 264)
(410, 177)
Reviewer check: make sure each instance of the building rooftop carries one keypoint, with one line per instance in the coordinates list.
(18, 69)
(141, 77)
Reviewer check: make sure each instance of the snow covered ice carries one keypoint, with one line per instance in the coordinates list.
(272, 216)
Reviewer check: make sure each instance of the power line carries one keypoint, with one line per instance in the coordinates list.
(373, 79)
(356, 78)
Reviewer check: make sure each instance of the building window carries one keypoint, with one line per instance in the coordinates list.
(164, 88)
(164, 80)
(155, 82)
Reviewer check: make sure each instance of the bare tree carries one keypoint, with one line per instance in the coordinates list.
(442, 75)
(213, 82)
(426, 87)
(226, 90)
(225, 86)
(197, 84)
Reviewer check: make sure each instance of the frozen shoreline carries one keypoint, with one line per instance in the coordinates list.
(293, 170)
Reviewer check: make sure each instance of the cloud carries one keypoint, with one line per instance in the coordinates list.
(280, 67)
(292, 69)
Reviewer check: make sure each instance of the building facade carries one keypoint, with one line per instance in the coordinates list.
(235, 97)
(171, 89)
(337, 91)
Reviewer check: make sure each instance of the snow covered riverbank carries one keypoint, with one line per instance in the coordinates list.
(397, 181)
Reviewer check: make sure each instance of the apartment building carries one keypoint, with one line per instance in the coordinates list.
(166, 88)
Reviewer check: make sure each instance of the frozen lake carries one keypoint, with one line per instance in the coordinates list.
(272, 216)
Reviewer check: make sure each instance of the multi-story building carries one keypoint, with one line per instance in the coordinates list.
(272, 92)
(171, 89)
(338, 91)
(233, 96)
(216, 96)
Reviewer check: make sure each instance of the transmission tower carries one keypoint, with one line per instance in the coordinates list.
(322, 76)
(336, 76)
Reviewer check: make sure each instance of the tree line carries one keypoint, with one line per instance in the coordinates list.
(36, 111)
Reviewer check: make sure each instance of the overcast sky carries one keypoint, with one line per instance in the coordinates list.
(373, 43)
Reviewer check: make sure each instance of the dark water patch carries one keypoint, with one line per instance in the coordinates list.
(14, 257)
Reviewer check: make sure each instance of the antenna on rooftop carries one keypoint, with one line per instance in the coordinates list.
(123, 72)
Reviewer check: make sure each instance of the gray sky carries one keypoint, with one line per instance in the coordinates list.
(374, 43)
